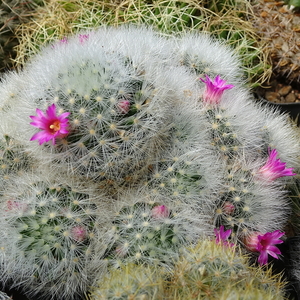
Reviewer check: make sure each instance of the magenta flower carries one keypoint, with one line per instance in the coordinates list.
(274, 168)
(83, 38)
(222, 236)
(52, 125)
(64, 40)
(160, 212)
(264, 243)
(214, 89)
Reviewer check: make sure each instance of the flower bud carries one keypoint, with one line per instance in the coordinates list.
(160, 212)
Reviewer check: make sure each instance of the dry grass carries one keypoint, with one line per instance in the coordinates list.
(227, 19)
(12, 13)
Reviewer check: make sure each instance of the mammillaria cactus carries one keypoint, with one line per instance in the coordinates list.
(139, 147)
(110, 117)
(48, 237)
(153, 228)
(278, 27)
(205, 271)
(130, 281)
(250, 184)
(218, 271)
(223, 63)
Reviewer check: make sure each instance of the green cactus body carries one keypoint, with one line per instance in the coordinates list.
(203, 271)
(130, 281)
(216, 271)
(120, 108)
(13, 160)
(47, 247)
(141, 236)
(107, 141)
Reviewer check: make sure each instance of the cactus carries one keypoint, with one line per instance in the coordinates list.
(205, 271)
(4, 296)
(278, 28)
(146, 159)
(251, 186)
(224, 62)
(130, 281)
(216, 271)
(119, 107)
(48, 237)
(293, 262)
(153, 228)
(13, 160)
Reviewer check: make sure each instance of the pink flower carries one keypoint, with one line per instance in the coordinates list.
(264, 243)
(123, 106)
(160, 212)
(79, 233)
(228, 208)
(222, 236)
(64, 40)
(52, 125)
(83, 38)
(214, 89)
(274, 168)
(13, 205)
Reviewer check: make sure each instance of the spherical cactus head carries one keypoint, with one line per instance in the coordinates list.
(222, 271)
(95, 110)
(130, 281)
(151, 228)
(50, 230)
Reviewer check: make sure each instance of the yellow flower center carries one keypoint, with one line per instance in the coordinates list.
(55, 126)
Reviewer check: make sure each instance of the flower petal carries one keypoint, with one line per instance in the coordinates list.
(263, 258)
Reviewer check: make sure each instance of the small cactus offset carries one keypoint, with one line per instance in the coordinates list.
(223, 62)
(121, 147)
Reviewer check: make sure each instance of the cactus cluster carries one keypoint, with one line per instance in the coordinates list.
(121, 146)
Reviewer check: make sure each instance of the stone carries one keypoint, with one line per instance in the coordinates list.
(285, 90)
(272, 96)
(290, 97)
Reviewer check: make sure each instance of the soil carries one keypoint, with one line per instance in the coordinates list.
(279, 90)
(278, 26)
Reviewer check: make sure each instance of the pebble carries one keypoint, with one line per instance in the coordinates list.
(272, 96)
(278, 92)
(290, 97)
(285, 90)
